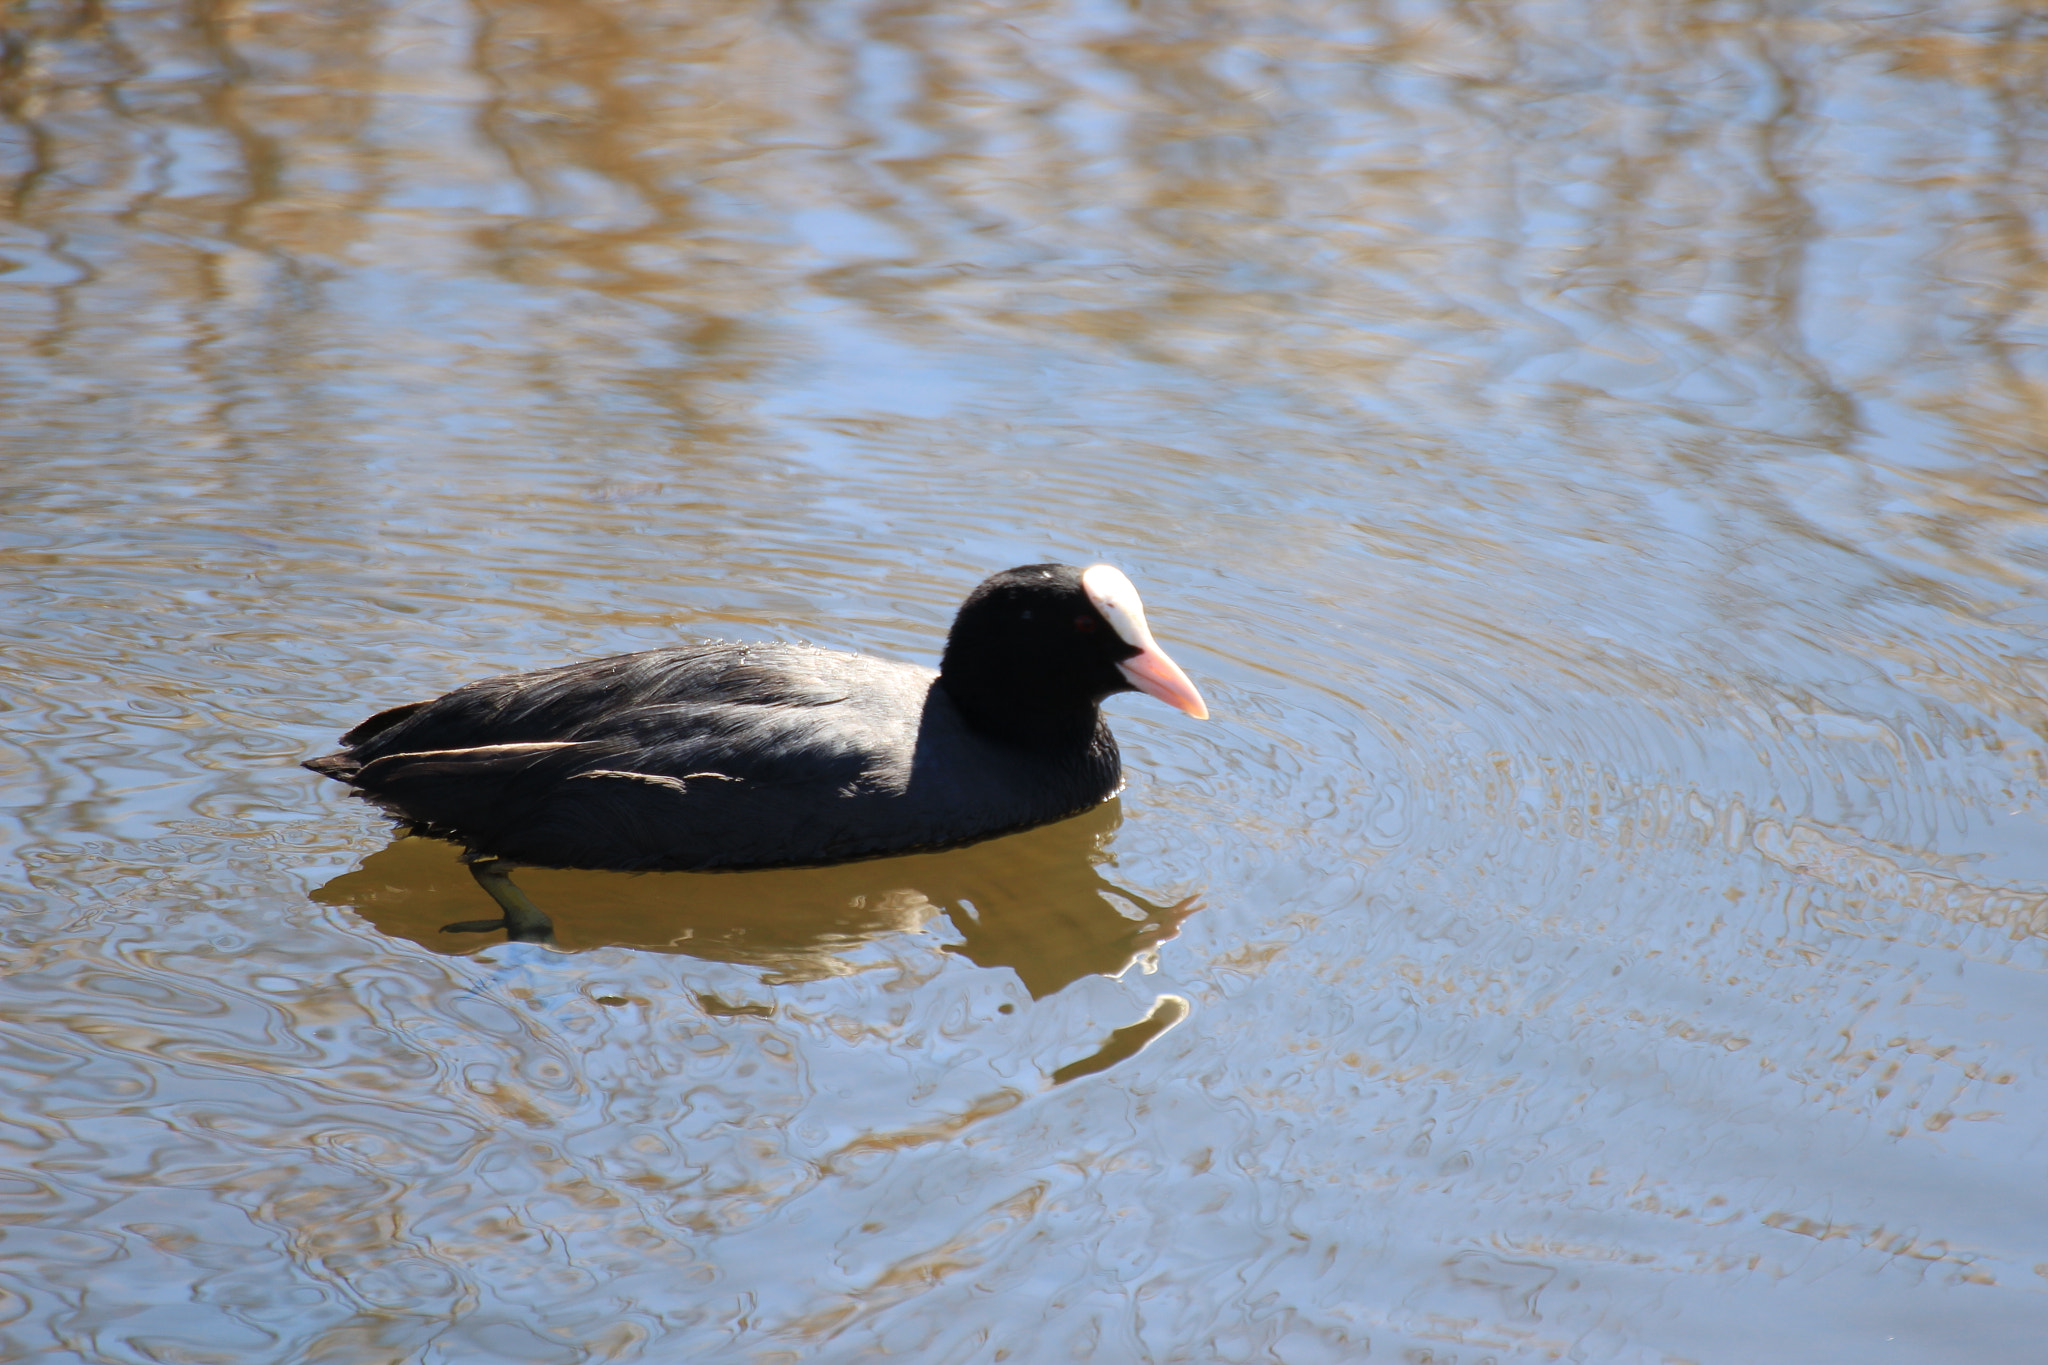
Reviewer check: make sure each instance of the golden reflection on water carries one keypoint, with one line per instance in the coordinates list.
(1593, 455)
(1034, 902)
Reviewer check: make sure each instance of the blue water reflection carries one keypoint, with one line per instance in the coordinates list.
(1590, 459)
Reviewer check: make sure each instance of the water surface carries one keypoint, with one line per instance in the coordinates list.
(1591, 460)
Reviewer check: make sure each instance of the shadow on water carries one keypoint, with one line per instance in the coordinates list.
(1035, 902)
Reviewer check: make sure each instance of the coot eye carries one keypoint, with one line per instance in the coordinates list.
(1084, 624)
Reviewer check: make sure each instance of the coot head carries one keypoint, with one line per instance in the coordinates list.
(1040, 646)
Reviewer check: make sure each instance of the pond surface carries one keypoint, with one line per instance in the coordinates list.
(1593, 460)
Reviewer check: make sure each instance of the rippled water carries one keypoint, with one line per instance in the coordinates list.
(1592, 459)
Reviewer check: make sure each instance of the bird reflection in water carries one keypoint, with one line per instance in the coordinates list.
(1035, 902)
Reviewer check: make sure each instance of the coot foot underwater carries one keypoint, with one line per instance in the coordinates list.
(730, 756)
(523, 921)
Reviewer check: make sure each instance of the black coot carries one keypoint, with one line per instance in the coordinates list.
(747, 755)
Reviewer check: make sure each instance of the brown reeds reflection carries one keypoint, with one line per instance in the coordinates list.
(1034, 902)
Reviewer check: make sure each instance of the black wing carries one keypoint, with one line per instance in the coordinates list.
(729, 755)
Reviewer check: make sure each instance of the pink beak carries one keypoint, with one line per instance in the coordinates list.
(1152, 673)
(1149, 670)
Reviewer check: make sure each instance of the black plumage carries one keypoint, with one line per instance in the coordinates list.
(747, 755)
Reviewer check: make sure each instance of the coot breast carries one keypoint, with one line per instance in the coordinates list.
(746, 755)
